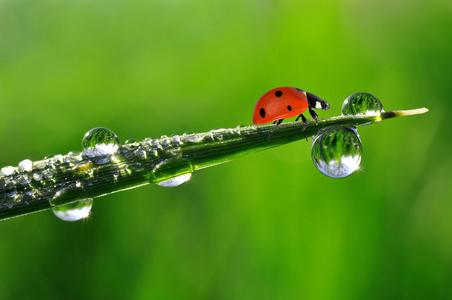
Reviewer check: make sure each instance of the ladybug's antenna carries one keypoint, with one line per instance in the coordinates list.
(274, 127)
(333, 108)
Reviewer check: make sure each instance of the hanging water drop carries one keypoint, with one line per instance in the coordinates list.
(175, 181)
(74, 211)
(363, 104)
(337, 152)
(99, 143)
(172, 172)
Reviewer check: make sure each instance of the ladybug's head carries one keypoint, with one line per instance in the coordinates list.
(316, 102)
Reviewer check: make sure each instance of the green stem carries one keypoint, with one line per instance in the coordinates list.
(64, 179)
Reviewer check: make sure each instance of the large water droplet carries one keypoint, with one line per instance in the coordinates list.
(172, 172)
(74, 211)
(99, 143)
(362, 104)
(337, 152)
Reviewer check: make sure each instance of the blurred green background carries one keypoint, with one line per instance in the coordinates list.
(269, 226)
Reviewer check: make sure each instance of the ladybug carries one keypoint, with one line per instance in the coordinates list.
(285, 102)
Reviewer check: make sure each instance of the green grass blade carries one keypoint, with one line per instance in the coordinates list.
(63, 179)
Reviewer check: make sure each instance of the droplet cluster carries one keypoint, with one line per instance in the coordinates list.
(103, 161)
(337, 151)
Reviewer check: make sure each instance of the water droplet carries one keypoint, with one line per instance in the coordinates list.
(74, 211)
(99, 143)
(74, 153)
(140, 153)
(37, 176)
(48, 174)
(72, 157)
(194, 138)
(11, 192)
(177, 140)
(175, 181)
(41, 164)
(23, 179)
(337, 152)
(362, 104)
(132, 141)
(58, 158)
(29, 192)
(25, 165)
(172, 172)
(6, 171)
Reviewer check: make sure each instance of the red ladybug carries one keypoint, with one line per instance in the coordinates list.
(285, 102)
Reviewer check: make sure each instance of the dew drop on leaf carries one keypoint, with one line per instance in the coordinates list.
(6, 171)
(363, 104)
(74, 211)
(25, 165)
(99, 143)
(337, 152)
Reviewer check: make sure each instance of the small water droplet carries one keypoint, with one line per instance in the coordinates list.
(74, 153)
(47, 173)
(165, 142)
(41, 164)
(131, 141)
(337, 152)
(74, 211)
(37, 176)
(363, 104)
(11, 192)
(58, 158)
(23, 179)
(172, 172)
(25, 165)
(140, 153)
(6, 171)
(29, 192)
(194, 138)
(73, 157)
(49, 156)
(176, 140)
(99, 143)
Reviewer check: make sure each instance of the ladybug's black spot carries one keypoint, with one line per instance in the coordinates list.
(278, 93)
(300, 90)
(262, 112)
(289, 107)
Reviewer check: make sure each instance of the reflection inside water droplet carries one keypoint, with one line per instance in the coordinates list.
(99, 143)
(362, 104)
(74, 211)
(337, 152)
(172, 172)
(175, 181)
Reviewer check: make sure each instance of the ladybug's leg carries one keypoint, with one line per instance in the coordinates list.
(277, 122)
(315, 117)
(305, 121)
